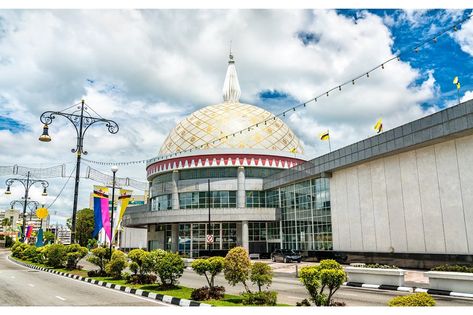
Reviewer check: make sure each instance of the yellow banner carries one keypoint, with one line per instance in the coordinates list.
(100, 191)
(124, 198)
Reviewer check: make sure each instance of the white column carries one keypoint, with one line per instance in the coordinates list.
(245, 236)
(174, 237)
(241, 194)
(175, 191)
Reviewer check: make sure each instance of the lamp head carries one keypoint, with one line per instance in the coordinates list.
(45, 136)
(8, 192)
(45, 193)
(114, 168)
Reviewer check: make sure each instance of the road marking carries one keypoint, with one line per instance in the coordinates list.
(13, 277)
(31, 285)
(61, 298)
(294, 297)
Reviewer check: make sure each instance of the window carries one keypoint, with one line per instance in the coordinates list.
(220, 172)
(199, 199)
(161, 203)
(255, 199)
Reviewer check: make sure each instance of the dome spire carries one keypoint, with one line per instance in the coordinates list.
(231, 87)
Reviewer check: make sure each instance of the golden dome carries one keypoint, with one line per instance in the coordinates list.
(215, 121)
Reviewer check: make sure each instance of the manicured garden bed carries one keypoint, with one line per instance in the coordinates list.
(179, 292)
(376, 275)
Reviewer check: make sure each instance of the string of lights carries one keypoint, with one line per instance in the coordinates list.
(62, 189)
(364, 75)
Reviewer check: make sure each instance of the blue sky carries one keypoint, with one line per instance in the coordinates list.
(149, 69)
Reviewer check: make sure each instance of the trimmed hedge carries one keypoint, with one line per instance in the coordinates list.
(379, 266)
(416, 299)
(453, 268)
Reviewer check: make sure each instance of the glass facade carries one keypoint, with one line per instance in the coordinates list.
(305, 211)
(217, 172)
(255, 199)
(193, 237)
(161, 203)
(199, 199)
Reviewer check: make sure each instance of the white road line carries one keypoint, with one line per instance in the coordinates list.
(61, 298)
(13, 277)
(31, 285)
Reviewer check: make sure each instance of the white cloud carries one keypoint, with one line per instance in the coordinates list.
(464, 37)
(152, 68)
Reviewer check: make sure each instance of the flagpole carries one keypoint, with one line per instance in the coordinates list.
(458, 95)
(329, 145)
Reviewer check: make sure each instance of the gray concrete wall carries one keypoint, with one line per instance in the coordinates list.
(419, 201)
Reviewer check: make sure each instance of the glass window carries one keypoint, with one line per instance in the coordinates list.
(161, 203)
(218, 172)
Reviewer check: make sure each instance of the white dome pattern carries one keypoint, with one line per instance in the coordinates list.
(215, 121)
(205, 126)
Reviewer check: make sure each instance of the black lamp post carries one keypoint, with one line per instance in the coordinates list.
(114, 171)
(81, 119)
(27, 183)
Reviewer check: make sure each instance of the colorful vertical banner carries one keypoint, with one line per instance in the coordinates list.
(29, 230)
(39, 238)
(101, 211)
(124, 198)
(98, 195)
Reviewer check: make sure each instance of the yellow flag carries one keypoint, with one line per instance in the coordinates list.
(100, 191)
(124, 197)
(379, 125)
(324, 136)
(456, 82)
(293, 150)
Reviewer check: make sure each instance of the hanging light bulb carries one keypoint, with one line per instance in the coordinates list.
(353, 82)
(382, 66)
(45, 193)
(339, 87)
(8, 192)
(367, 74)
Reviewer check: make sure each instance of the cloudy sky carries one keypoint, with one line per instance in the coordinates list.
(148, 69)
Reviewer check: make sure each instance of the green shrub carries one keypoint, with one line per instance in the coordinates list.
(206, 293)
(100, 257)
(379, 266)
(209, 268)
(261, 275)
(268, 298)
(327, 275)
(74, 253)
(56, 255)
(17, 249)
(8, 241)
(237, 267)
(454, 268)
(134, 267)
(416, 299)
(92, 243)
(116, 265)
(29, 253)
(168, 266)
(40, 256)
(138, 256)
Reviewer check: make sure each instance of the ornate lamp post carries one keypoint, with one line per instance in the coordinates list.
(27, 183)
(114, 171)
(81, 119)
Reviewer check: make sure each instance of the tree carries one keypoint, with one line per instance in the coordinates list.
(237, 267)
(328, 274)
(116, 264)
(48, 237)
(261, 275)
(138, 257)
(74, 253)
(84, 225)
(213, 266)
(168, 266)
(100, 258)
(6, 222)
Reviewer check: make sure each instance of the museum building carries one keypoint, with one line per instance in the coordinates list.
(404, 195)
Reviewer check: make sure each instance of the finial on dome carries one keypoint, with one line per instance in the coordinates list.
(231, 86)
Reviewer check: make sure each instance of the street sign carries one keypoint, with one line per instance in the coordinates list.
(210, 238)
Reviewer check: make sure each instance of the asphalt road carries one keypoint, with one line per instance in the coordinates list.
(290, 291)
(21, 286)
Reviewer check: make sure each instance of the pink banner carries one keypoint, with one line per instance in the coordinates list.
(106, 217)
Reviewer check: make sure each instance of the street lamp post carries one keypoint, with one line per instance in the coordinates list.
(81, 119)
(114, 171)
(27, 183)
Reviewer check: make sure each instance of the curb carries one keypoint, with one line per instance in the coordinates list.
(407, 289)
(152, 295)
